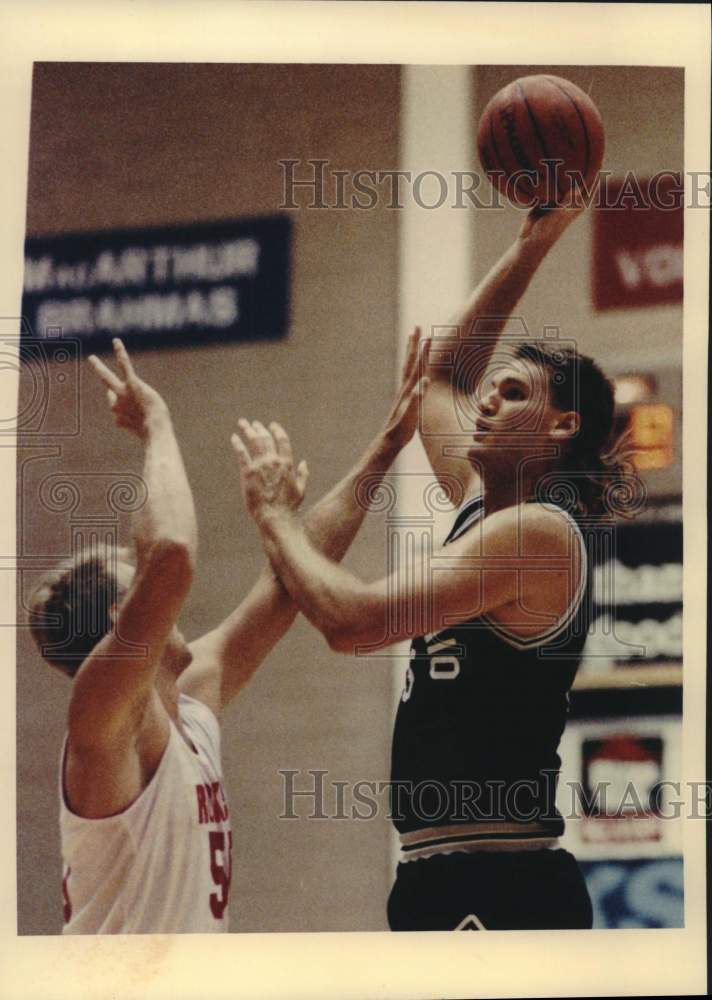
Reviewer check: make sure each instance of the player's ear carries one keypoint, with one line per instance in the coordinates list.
(567, 424)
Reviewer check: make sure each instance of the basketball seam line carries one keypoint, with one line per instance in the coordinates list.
(494, 144)
(581, 120)
(535, 126)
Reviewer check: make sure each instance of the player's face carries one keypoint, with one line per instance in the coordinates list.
(513, 406)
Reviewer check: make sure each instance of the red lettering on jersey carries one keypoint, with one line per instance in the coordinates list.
(212, 803)
(65, 897)
(221, 870)
(216, 792)
(223, 801)
(203, 816)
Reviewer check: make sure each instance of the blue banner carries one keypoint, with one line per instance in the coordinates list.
(641, 893)
(168, 285)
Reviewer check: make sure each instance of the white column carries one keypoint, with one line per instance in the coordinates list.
(436, 267)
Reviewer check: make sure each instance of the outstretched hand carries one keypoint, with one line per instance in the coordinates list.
(270, 482)
(133, 402)
(549, 222)
(402, 421)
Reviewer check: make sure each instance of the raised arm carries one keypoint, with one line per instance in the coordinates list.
(114, 710)
(481, 573)
(226, 658)
(456, 361)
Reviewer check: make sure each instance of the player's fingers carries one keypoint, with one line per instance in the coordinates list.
(411, 354)
(249, 437)
(420, 358)
(262, 438)
(302, 473)
(282, 442)
(423, 360)
(415, 396)
(241, 451)
(112, 397)
(105, 374)
(123, 359)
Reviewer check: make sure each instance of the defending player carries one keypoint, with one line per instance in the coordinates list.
(497, 619)
(145, 825)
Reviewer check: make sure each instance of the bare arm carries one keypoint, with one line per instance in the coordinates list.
(457, 361)
(113, 699)
(478, 574)
(226, 658)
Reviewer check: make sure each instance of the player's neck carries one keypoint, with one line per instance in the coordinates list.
(505, 487)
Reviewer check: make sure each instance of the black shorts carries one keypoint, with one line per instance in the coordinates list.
(523, 890)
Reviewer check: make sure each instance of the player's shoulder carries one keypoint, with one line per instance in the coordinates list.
(200, 717)
(529, 529)
(196, 708)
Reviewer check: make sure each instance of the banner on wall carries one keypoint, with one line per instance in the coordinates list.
(645, 893)
(637, 243)
(637, 594)
(225, 280)
(619, 790)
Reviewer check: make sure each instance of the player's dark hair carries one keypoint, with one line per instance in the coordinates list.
(594, 458)
(69, 611)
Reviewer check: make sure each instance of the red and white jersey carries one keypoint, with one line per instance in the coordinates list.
(163, 865)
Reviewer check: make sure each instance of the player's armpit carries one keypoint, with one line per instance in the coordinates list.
(113, 686)
(105, 778)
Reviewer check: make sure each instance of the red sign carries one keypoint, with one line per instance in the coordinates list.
(637, 243)
(620, 774)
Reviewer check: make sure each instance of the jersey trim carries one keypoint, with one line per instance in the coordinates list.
(470, 512)
(472, 837)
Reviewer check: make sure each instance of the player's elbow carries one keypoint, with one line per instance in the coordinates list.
(341, 638)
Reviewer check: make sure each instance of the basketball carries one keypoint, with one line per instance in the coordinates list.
(532, 122)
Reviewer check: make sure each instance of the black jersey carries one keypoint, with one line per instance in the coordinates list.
(474, 757)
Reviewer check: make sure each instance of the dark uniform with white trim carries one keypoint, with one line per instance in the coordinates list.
(474, 773)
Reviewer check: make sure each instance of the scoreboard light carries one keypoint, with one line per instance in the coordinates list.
(631, 389)
(651, 429)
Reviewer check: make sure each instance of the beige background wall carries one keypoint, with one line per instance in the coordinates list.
(116, 146)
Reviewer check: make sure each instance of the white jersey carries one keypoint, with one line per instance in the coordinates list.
(163, 865)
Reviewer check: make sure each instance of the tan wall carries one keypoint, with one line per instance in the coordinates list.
(120, 146)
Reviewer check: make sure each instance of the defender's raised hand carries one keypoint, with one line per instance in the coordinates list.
(133, 402)
(402, 421)
(270, 481)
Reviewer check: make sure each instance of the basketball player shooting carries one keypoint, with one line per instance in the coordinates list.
(497, 618)
(145, 825)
